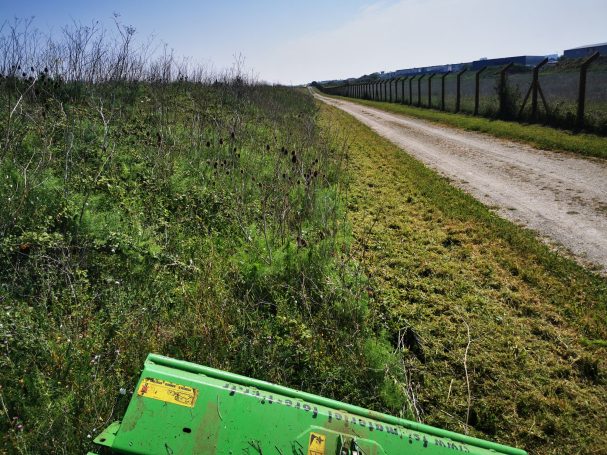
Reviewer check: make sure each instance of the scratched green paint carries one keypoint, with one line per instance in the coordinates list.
(234, 414)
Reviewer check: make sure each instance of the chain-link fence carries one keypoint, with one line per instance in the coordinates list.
(569, 94)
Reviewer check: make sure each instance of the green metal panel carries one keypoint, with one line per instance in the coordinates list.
(184, 408)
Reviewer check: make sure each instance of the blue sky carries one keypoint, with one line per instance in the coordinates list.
(295, 42)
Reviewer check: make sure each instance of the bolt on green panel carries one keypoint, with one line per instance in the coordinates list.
(183, 408)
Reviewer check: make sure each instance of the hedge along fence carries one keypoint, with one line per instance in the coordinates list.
(571, 94)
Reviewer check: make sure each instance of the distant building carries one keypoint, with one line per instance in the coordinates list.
(424, 70)
(584, 51)
(525, 60)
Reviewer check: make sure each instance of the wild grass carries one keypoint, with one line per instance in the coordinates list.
(500, 336)
(201, 221)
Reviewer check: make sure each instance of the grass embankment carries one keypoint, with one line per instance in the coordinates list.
(543, 137)
(493, 328)
(204, 222)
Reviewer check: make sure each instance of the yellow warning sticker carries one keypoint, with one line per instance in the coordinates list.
(317, 444)
(168, 392)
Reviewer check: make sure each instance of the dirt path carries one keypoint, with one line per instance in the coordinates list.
(560, 195)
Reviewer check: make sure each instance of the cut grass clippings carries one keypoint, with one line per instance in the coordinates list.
(439, 262)
(538, 136)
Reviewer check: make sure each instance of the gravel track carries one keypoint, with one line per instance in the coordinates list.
(560, 195)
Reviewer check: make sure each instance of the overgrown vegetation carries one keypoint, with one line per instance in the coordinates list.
(202, 220)
(500, 336)
(536, 135)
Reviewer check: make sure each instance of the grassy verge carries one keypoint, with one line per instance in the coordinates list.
(498, 335)
(204, 222)
(538, 136)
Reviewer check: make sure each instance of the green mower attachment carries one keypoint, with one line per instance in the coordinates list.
(183, 408)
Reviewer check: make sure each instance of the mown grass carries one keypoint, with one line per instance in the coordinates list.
(204, 222)
(538, 136)
(450, 280)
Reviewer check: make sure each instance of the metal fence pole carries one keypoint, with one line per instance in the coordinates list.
(442, 96)
(477, 89)
(419, 90)
(581, 101)
(411, 90)
(458, 94)
(502, 87)
(402, 90)
(536, 84)
(430, 89)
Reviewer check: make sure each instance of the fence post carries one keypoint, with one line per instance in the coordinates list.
(419, 90)
(535, 85)
(430, 89)
(581, 101)
(442, 97)
(386, 90)
(458, 94)
(477, 89)
(411, 90)
(502, 87)
(402, 90)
